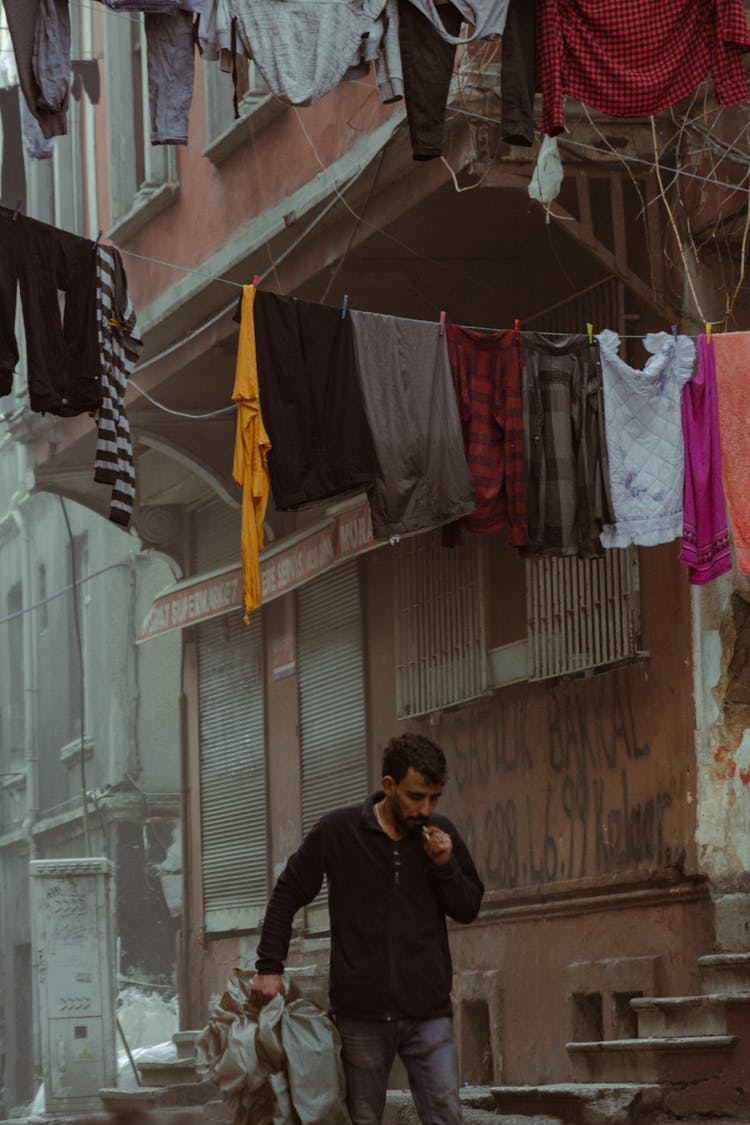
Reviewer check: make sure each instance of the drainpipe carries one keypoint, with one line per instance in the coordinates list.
(31, 758)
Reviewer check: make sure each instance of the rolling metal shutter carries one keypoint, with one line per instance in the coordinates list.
(232, 773)
(332, 704)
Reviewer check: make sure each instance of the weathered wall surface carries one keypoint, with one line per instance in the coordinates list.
(722, 692)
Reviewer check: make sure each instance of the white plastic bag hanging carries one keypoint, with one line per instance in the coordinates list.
(547, 177)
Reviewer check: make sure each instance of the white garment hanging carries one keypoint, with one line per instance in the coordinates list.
(643, 425)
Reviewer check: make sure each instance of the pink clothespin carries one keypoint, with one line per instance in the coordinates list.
(442, 323)
(256, 281)
(516, 327)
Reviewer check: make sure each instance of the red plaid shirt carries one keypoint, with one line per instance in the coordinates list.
(486, 369)
(632, 58)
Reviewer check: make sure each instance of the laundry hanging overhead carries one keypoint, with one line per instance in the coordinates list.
(62, 352)
(705, 534)
(633, 59)
(78, 359)
(40, 32)
(422, 476)
(311, 402)
(732, 352)
(304, 50)
(644, 438)
(251, 449)
(486, 368)
(565, 453)
(119, 348)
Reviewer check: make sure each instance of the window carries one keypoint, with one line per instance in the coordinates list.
(582, 613)
(440, 650)
(257, 107)
(143, 177)
(479, 617)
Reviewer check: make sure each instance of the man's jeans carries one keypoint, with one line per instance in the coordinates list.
(427, 1050)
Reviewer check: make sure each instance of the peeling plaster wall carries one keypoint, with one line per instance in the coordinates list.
(721, 640)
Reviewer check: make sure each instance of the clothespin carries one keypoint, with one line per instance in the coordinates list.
(708, 331)
(674, 331)
(590, 331)
(442, 322)
(95, 244)
(256, 281)
(344, 305)
(19, 205)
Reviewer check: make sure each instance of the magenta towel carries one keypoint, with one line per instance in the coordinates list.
(705, 536)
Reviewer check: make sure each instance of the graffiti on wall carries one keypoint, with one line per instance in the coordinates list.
(561, 790)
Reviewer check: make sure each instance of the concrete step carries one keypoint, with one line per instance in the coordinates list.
(580, 1103)
(171, 1073)
(477, 1108)
(651, 1061)
(725, 973)
(185, 1042)
(670, 1016)
(149, 1098)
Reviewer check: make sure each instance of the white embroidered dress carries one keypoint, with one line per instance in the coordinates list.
(643, 424)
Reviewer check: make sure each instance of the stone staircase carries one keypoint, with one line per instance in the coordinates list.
(691, 1056)
(173, 1089)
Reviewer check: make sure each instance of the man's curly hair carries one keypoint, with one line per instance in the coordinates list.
(415, 751)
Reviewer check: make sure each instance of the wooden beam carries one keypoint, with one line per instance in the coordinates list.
(618, 222)
(604, 255)
(584, 203)
(655, 237)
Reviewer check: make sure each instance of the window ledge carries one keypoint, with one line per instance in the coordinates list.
(70, 753)
(149, 202)
(14, 782)
(257, 111)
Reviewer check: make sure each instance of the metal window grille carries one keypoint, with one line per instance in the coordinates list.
(440, 652)
(582, 613)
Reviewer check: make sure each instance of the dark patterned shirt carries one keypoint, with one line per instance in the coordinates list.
(565, 452)
(486, 369)
(632, 59)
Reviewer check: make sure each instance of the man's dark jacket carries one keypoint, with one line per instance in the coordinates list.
(388, 901)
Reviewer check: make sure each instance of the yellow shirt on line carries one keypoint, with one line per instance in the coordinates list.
(251, 446)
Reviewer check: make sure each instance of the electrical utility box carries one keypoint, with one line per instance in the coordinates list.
(74, 965)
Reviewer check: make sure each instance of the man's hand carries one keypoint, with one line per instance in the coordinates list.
(266, 986)
(437, 844)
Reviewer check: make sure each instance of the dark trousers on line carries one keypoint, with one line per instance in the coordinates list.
(56, 272)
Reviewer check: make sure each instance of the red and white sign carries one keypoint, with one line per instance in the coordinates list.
(346, 535)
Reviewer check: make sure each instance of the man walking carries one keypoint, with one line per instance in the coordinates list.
(395, 869)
